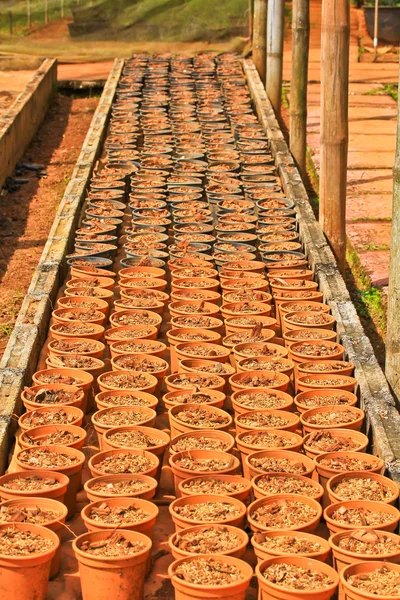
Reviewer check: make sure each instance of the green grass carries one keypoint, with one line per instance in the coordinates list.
(390, 89)
(374, 246)
(20, 18)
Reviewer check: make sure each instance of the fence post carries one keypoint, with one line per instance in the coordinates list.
(46, 12)
(10, 21)
(275, 31)
(392, 365)
(250, 9)
(62, 9)
(298, 82)
(28, 14)
(335, 46)
(259, 37)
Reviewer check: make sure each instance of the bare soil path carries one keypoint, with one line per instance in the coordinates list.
(27, 214)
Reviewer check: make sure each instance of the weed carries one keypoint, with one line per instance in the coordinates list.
(374, 246)
(285, 99)
(6, 330)
(390, 89)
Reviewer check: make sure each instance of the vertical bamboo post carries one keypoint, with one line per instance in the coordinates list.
(28, 14)
(392, 365)
(335, 47)
(46, 11)
(275, 30)
(10, 21)
(376, 18)
(250, 9)
(298, 82)
(62, 9)
(259, 37)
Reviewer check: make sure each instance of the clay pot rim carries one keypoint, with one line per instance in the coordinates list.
(363, 557)
(203, 454)
(284, 497)
(290, 454)
(144, 539)
(315, 484)
(166, 437)
(363, 475)
(379, 506)
(125, 502)
(303, 534)
(240, 532)
(245, 568)
(301, 561)
(39, 529)
(283, 432)
(331, 408)
(128, 476)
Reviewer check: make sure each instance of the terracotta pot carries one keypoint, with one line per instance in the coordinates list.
(103, 399)
(76, 281)
(263, 553)
(191, 591)
(123, 363)
(346, 434)
(174, 337)
(299, 400)
(234, 309)
(66, 331)
(259, 492)
(137, 273)
(73, 302)
(115, 319)
(291, 424)
(202, 283)
(179, 308)
(249, 266)
(325, 367)
(360, 569)
(136, 332)
(291, 306)
(247, 449)
(269, 591)
(91, 272)
(216, 353)
(181, 474)
(194, 273)
(121, 578)
(55, 492)
(225, 439)
(158, 449)
(213, 325)
(326, 472)
(279, 381)
(132, 304)
(237, 552)
(73, 472)
(317, 382)
(149, 387)
(59, 316)
(97, 352)
(152, 348)
(55, 525)
(110, 480)
(40, 434)
(99, 292)
(173, 385)
(207, 295)
(183, 522)
(83, 380)
(293, 456)
(336, 527)
(145, 526)
(355, 423)
(148, 417)
(380, 479)
(76, 403)
(290, 321)
(225, 370)
(279, 400)
(286, 366)
(308, 527)
(155, 295)
(145, 283)
(232, 325)
(100, 456)
(26, 577)
(177, 427)
(242, 494)
(301, 335)
(231, 284)
(218, 398)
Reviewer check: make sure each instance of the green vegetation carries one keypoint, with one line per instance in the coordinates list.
(374, 246)
(390, 89)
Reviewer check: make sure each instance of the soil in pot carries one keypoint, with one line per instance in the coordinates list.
(51, 416)
(25, 484)
(124, 485)
(114, 462)
(203, 440)
(49, 395)
(280, 483)
(362, 486)
(268, 419)
(366, 580)
(307, 400)
(207, 509)
(112, 565)
(271, 543)
(215, 539)
(279, 461)
(260, 399)
(332, 417)
(286, 512)
(355, 514)
(229, 485)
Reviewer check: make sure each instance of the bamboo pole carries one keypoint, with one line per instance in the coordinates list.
(298, 82)
(46, 11)
(28, 14)
(275, 31)
(62, 9)
(250, 9)
(10, 21)
(259, 37)
(376, 18)
(335, 47)
(392, 365)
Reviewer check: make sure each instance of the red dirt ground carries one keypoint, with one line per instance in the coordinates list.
(27, 214)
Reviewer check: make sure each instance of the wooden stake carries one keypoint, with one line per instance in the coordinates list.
(259, 37)
(62, 9)
(46, 11)
(376, 19)
(335, 46)
(392, 366)
(275, 30)
(28, 13)
(298, 82)
(10, 21)
(250, 9)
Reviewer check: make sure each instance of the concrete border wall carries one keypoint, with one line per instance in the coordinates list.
(382, 415)
(20, 123)
(30, 331)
